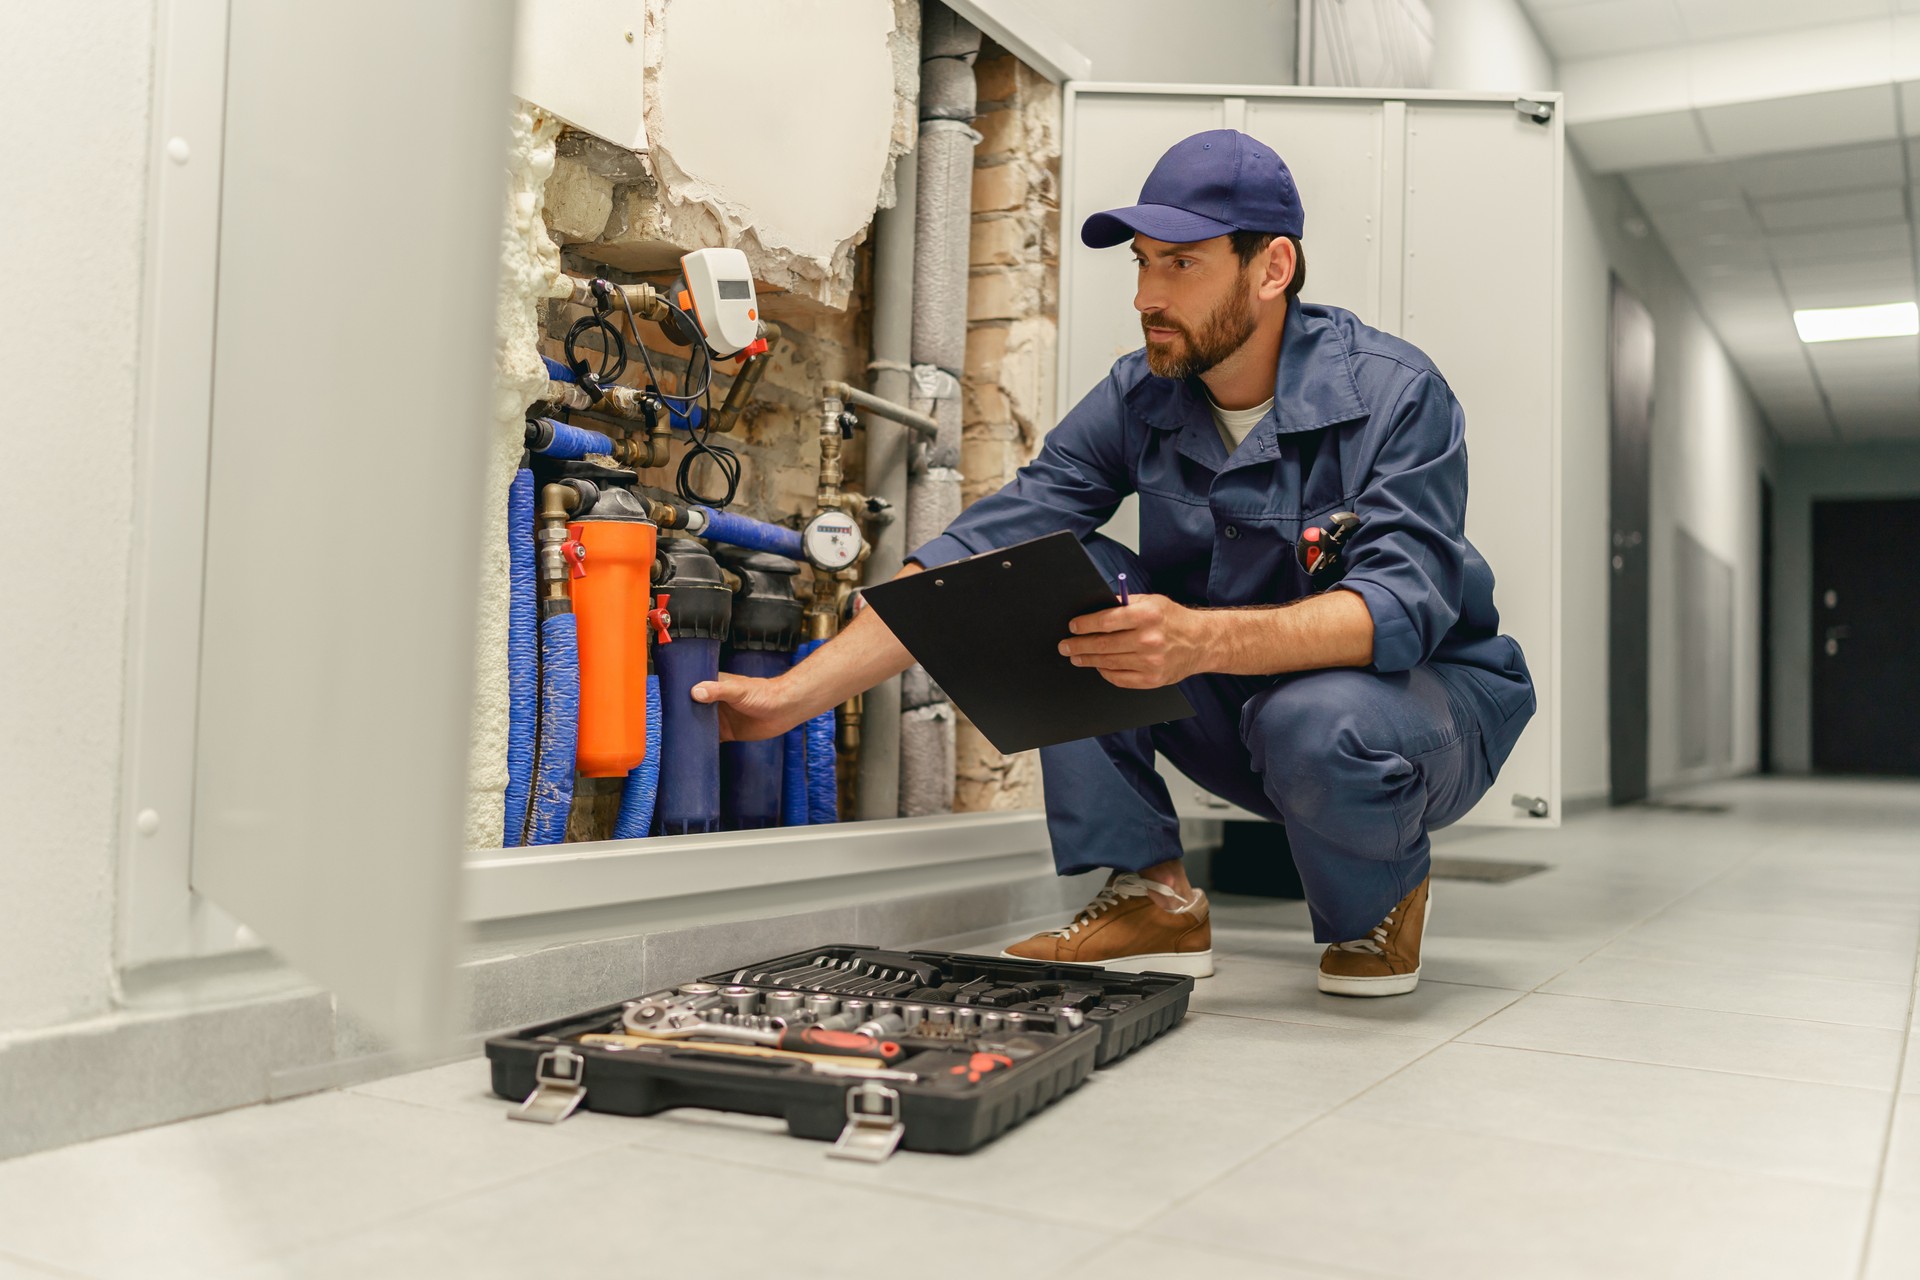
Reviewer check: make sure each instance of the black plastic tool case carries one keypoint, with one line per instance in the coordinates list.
(1079, 1018)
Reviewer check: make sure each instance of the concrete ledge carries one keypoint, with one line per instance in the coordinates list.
(197, 1047)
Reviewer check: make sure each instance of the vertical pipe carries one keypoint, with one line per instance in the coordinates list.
(523, 658)
(942, 235)
(886, 471)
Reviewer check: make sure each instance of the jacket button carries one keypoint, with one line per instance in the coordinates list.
(1232, 531)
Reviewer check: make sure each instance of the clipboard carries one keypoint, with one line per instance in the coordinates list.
(988, 630)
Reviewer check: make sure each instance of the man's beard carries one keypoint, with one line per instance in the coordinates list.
(1224, 331)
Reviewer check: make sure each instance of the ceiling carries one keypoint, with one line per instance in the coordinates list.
(1767, 205)
(1594, 28)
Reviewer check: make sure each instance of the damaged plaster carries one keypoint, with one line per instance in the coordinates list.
(774, 127)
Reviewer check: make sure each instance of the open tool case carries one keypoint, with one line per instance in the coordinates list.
(871, 1049)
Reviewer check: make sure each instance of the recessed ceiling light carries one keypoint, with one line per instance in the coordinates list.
(1839, 324)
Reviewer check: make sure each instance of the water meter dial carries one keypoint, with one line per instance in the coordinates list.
(832, 541)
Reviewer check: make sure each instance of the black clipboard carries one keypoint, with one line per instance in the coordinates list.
(988, 630)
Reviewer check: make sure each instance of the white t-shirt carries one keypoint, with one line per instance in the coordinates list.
(1234, 424)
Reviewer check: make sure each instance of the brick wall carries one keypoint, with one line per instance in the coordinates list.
(1012, 332)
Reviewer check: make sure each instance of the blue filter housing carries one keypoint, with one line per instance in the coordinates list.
(700, 608)
(751, 772)
(765, 628)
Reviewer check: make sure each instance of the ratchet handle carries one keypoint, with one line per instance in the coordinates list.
(847, 1044)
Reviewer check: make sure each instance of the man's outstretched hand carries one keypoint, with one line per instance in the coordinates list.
(750, 709)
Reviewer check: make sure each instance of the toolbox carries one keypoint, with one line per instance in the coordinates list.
(870, 1048)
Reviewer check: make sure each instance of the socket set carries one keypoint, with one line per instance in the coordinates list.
(869, 1048)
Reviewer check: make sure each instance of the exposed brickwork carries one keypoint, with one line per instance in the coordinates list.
(1012, 310)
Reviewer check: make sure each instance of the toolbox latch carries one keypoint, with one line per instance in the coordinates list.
(558, 1088)
(873, 1127)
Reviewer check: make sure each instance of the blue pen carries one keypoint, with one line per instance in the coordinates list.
(1123, 591)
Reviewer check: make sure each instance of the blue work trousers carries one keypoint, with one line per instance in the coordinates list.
(1359, 766)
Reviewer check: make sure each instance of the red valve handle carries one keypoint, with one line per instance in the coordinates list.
(576, 556)
(660, 618)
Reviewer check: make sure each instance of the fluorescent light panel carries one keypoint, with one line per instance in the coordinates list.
(1842, 324)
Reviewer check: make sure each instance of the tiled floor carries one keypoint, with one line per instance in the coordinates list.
(1688, 1049)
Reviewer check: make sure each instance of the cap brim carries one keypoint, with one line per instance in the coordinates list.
(1156, 221)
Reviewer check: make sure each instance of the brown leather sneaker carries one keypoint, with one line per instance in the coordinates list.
(1387, 961)
(1135, 925)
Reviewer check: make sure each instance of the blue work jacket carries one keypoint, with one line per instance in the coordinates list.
(1361, 421)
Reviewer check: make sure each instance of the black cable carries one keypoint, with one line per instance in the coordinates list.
(633, 327)
(613, 353)
(724, 460)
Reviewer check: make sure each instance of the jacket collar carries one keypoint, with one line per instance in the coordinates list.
(1313, 387)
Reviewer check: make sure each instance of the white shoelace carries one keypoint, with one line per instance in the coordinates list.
(1123, 886)
(1375, 943)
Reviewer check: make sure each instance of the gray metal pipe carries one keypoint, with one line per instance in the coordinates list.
(942, 231)
(919, 423)
(878, 795)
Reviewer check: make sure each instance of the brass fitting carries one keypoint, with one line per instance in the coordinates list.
(557, 502)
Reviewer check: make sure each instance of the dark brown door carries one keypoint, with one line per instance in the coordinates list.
(1866, 636)
(1630, 387)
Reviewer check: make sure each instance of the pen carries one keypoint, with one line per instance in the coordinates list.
(1123, 591)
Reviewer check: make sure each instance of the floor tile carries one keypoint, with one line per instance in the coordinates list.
(191, 1199)
(1786, 1128)
(1080, 1160)
(1410, 1201)
(1143, 1257)
(18, 1269)
(1687, 918)
(1822, 1052)
(1659, 940)
(640, 1212)
(1841, 909)
(1245, 987)
(1735, 990)
(1903, 1148)
(1894, 1250)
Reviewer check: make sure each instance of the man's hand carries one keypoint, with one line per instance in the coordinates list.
(1144, 644)
(750, 709)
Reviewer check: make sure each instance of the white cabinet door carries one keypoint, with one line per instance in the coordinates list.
(358, 258)
(1434, 216)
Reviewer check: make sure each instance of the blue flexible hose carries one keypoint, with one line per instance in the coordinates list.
(755, 535)
(642, 791)
(570, 441)
(823, 801)
(558, 371)
(559, 730)
(523, 658)
(793, 779)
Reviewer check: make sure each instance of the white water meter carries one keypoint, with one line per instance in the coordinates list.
(832, 541)
(718, 293)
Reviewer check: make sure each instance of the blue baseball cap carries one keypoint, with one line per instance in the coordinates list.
(1212, 184)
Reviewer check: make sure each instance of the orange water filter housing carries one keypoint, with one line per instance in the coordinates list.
(612, 570)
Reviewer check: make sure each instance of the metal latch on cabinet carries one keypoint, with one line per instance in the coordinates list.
(1538, 112)
(874, 1127)
(558, 1088)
